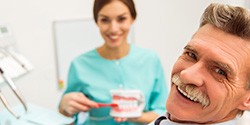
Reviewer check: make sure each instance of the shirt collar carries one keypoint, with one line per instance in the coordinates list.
(164, 120)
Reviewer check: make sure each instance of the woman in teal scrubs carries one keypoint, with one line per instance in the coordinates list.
(111, 66)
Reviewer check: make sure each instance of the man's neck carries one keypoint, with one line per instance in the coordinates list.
(229, 117)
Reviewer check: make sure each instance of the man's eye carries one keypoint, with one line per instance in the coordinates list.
(192, 55)
(220, 71)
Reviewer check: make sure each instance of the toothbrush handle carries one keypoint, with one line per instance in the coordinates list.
(107, 105)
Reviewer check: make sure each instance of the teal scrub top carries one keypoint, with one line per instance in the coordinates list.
(95, 76)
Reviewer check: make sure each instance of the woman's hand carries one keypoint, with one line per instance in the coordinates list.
(145, 118)
(120, 119)
(75, 102)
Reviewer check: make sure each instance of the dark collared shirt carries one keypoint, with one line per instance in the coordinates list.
(164, 120)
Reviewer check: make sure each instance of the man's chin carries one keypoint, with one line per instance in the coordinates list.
(183, 120)
(189, 120)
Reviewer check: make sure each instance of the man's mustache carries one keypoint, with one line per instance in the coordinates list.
(191, 91)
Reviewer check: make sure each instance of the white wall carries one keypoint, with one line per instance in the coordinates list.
(31, 21)
(162, 25)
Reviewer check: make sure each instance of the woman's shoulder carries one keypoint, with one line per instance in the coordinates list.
(91, 54)
(141, 51)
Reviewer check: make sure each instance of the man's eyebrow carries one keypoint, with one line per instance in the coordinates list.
(190, 48)
(225, 66)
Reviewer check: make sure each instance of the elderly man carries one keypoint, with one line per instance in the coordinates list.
(211, 79)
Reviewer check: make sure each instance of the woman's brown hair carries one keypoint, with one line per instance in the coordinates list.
(99, 4)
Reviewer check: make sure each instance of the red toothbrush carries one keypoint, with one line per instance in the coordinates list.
(108, 105)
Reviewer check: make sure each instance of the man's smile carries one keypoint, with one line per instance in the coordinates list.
(190, 92)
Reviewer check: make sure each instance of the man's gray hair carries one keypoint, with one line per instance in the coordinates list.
(231, 19)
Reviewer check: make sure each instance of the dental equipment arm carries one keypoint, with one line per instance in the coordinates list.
(7, 106)
(14, 89)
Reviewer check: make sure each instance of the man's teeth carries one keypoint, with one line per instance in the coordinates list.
(184, 93)
(195, 96)
(187, 95)
(190, 92)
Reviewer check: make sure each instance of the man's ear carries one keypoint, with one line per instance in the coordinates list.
(245, 105)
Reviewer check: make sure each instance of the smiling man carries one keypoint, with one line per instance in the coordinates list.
(211, 79)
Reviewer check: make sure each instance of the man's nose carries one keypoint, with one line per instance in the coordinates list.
(193, 74)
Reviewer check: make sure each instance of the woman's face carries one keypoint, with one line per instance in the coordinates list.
(114, 21)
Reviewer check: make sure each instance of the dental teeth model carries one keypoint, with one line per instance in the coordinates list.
(130, 103)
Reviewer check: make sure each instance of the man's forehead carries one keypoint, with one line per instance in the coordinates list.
(209, 33)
